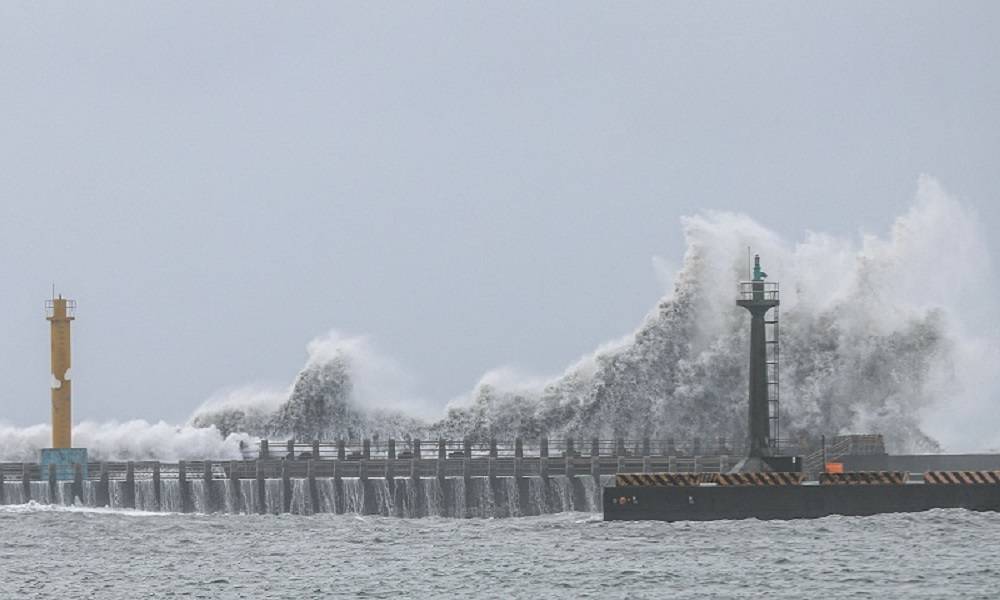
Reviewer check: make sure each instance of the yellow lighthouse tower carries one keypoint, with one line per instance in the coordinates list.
(59, 312)
(60, 315)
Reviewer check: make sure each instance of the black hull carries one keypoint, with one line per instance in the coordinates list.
(712, 503)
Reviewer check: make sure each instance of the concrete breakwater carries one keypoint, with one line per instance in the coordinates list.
(476, 487)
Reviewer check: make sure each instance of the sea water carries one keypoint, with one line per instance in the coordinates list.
(52, 551)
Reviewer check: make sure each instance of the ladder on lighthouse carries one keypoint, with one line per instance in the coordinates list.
(773, 355)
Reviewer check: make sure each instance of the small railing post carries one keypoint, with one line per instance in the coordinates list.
(290, 449)
(493, 448)
(595, 447)
(265, 451)
(366, 449)
(416, 449)
(315, 451)
(392, 449)
(341, 450)
(543, 447)
(646, 447)
(518, 448)
(570, 447)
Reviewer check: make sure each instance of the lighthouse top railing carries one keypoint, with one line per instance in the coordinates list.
(50, 307)
(758, 290)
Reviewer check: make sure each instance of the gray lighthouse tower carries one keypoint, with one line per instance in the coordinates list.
(759, 297)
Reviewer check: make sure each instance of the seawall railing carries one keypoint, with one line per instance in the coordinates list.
(493, 448)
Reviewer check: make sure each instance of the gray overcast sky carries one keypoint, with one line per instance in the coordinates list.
(471, 184)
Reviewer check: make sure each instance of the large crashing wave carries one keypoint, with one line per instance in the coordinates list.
(869, 338)
(878, 335)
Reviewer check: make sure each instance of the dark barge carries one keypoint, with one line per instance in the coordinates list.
(871, 493)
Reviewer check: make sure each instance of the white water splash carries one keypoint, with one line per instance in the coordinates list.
(890, 334)
(130, 440)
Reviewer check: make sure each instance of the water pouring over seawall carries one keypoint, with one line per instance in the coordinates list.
(407, 498)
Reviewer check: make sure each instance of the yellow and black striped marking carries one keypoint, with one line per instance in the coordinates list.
(759, 478)
(657, 479)
(863, 478)
(962, 477)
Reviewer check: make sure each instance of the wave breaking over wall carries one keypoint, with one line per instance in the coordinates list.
(888, 335)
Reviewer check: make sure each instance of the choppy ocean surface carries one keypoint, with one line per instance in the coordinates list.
(66, 552)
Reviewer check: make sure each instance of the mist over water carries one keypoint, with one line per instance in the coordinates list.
(890, 334)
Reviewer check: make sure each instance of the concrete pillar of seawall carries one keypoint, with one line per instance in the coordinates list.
(447, 502)
(212, 503)
(419, 506)
(261, 487)
(286, 488)
(416, 491)
(370, 500)
(454, 490)
(235, 493)
(338, 489)
(103, 487)
(26, 481)
(595, 475)
(523, 496)
(580, 494)
(157, 487)
(368, 506)
(391, 487)
(53, 484)
(522, 487)
(497, 492)
(185, 490)
(76, 487)
(470, 495)
(128, 499)
(313, 488)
